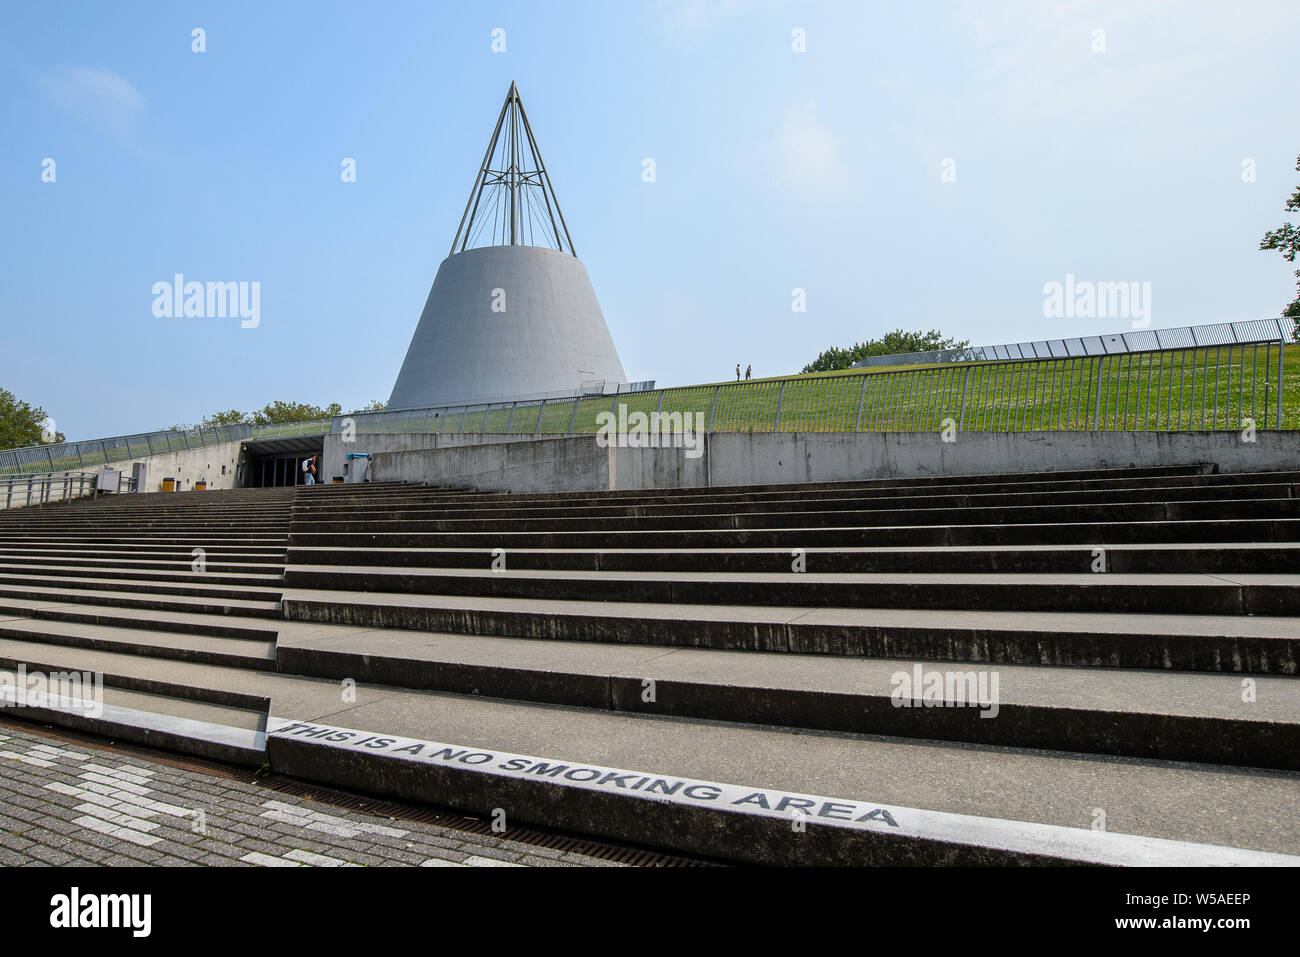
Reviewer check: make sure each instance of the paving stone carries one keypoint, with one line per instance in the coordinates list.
(57, 811)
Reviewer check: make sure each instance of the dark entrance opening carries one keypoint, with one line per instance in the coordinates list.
(275, 463)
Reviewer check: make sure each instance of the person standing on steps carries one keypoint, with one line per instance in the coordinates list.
(309, 470)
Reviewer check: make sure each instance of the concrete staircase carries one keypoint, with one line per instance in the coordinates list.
(989, 668)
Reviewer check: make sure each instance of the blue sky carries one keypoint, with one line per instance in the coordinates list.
(775, 169)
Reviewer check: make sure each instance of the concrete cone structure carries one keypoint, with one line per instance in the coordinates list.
(512, 312)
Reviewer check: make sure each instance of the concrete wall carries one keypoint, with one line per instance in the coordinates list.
(546, 465)
(742, 459)
(579, 464)
(189, 466)
(334, 452)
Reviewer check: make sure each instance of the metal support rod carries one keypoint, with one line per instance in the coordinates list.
(713, 404)
(1268, 381)
(1096, 409)
(1281, 357)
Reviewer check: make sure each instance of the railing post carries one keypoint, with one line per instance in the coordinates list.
(1281, 355)
(712, 405)
(1096, 388)
(862, 398)
(961, 415)
(541, 410)
(509, 419)
(573, 419)
(780, 401)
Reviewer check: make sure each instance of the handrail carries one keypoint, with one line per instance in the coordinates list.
(43, 486)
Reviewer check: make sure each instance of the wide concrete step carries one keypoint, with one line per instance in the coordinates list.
(255, 566)
(127, 551)
(120, 539)
(177, 572)
(737, 790)
(181, 645)
(1156, 511)
(950, 499)
(1068, 479)
(141, 583)
(150, 529)
(1043, 533)
(176, 721)
(796, 498)
(80, 610)
(144, 599)
(1244, 594)
(1207, 557)
(1231, 643)
(149, 512)
(1170, 715)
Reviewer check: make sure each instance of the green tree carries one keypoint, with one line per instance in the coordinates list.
(891, 343)
(374, 405)
(276, 412)
(1286, 240)
(22, 424)
(230, 417)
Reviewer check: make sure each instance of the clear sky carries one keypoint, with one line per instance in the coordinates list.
(775, 169)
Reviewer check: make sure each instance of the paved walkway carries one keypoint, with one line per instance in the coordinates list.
(79, 804)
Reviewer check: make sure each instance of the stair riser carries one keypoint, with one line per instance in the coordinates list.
(1247, 655)
(89, 616)
(1189, 560)
(422, 512)
(1206, 599)
(152, 603)
(196, 656)
(1112, 533)
(232, 593)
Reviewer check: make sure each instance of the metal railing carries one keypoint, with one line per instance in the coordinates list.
(68, 456)
(1142, 340)
(1209, 387)
(46, 487)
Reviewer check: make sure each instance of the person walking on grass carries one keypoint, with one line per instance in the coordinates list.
(748, 370)
(737, 371)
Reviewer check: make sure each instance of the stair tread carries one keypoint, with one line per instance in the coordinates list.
(1103, 690)
(80, 595)
(235, 647)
